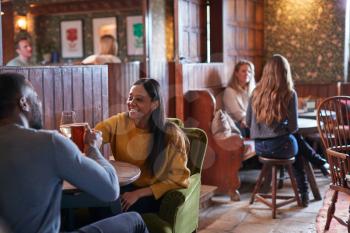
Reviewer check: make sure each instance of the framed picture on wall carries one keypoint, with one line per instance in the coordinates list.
(103, 26)
(72, 39)
(134, 27)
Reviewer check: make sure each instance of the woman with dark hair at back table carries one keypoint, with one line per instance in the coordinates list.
(143, 137)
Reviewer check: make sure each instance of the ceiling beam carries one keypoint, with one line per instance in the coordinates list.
(85, 6)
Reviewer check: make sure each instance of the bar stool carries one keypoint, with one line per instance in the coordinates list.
(274, 163)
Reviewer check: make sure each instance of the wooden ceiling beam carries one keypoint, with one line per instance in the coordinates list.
(84, 6)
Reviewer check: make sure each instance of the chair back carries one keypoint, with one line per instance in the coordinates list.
(333, 118)
(198, 145)
(333, 122)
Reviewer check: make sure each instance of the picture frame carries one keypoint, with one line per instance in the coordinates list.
(71, 38)
(103, 26)
(135, 28)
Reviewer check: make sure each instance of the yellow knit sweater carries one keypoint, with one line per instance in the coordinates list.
(132, 145)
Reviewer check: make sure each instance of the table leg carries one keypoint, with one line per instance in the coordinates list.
(312, 180)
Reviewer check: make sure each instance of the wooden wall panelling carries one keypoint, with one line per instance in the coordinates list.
(203, 75)
(175, 97)
(78, 93)
(317, 90)
(191, 20)
(86, 6)
(48, 102)
(8, 45)
(121, 77)
(344, 89)
(243, 33)
(77, 88)
(216, 31)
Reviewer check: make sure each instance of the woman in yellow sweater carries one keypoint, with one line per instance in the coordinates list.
(143, 137)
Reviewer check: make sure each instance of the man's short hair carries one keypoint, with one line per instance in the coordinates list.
(19, 40)
(11, 86)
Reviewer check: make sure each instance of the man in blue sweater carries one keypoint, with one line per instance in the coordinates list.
(34, 163)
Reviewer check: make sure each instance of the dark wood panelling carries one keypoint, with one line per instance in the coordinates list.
(345, 89)
(85, 5)
(8, 46)
(121, 77)
(216, 31)
(244, 33)
(318, 90)
(191, 20)
(203, 75)
(79, 88)
(196, 76)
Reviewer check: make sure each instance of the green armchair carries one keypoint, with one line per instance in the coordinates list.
(179, 210)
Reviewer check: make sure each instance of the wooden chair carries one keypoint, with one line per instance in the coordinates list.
(333, 121)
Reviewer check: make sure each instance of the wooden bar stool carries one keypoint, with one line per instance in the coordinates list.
(274, 163)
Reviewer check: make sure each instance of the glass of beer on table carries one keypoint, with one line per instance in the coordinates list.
(72, 129)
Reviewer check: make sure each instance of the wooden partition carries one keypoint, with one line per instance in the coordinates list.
(120, 78)
(83, 89)
(194, 76)
(318, 90)
(345, 89)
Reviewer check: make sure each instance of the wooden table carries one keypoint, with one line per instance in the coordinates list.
(72, 197)
(127, 173)
(313, 114)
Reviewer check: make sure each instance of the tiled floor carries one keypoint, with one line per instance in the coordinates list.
(240, 217)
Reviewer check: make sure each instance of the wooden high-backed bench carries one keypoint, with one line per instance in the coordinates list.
(221, 166)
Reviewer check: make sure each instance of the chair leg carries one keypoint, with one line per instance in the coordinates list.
(281, 178)
(331, 210)
(258, 183)
(294, 184)
(273, 195)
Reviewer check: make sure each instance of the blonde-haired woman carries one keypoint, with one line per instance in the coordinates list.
(236, 94)
(108, 52)
(272, 117)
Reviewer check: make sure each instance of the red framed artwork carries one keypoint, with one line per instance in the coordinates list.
(72, 39)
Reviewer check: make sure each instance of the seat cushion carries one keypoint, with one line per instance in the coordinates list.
(155, 224)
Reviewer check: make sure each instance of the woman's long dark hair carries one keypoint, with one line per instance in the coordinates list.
(157, 124)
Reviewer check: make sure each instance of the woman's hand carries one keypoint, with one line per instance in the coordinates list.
(243, 124)
(128, 199)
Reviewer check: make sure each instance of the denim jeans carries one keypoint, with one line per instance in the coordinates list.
(130, 222)
(284, 147)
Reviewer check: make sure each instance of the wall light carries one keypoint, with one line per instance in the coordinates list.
(21, 22)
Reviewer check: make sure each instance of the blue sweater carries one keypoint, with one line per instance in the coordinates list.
(287, 126)
(33, 165)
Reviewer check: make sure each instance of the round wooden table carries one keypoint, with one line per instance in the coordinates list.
(307, 126)
(312, 114)
(127, 173)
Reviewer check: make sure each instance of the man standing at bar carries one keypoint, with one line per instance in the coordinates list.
(34, 163)
(25, 51)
